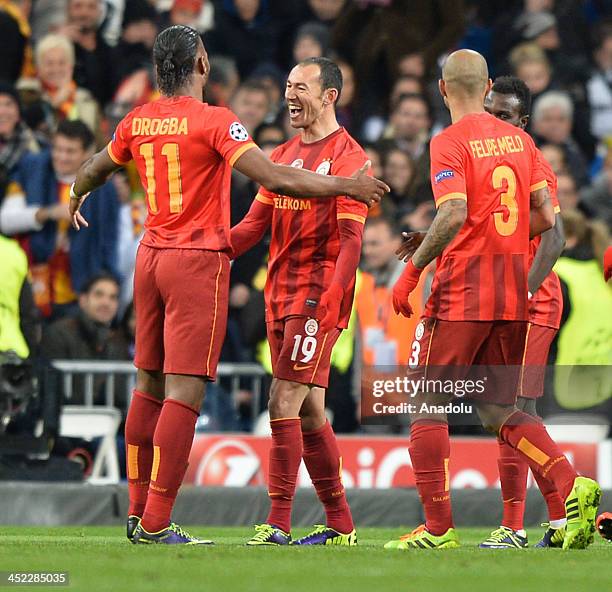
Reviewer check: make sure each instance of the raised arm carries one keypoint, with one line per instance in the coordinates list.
(296, 182)
(250, 230)
(92, 174)
(549, 250)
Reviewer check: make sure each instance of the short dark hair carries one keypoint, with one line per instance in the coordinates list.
(76, 130)
(103, 276)
(513, 85)
(174, 54)
(330, 75)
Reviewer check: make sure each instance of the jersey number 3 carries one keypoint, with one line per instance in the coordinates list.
(506, 224)
(175, 190)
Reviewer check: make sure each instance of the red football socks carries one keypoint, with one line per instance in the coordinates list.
(324, 463)
(430, 453)
(285, 458)
(513, 478)
(556, 507)
(171, 446)
(139, 429)
(529, 437)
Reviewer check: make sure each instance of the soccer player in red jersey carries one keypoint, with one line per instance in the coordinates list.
(510, 100)
(314, 253)
(492, 196)
(184, 150)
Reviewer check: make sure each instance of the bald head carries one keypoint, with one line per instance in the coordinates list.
(465, 73)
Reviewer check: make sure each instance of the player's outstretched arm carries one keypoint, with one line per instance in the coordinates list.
(542, 212)
(295, 182)
(91, 175)
(550, 249)
(250, 230)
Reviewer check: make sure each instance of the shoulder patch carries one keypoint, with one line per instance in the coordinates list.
(445, 174)
(238, 132)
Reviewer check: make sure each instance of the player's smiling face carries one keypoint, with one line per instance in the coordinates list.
(304, 96)
(505, 107)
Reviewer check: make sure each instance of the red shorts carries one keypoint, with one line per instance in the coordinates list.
(537, 344)
(180, 300)
(451, 348)
(300, 352)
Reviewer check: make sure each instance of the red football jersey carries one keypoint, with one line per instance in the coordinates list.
(183, 150)
(305, 240)
(482, 274)
(546, 305)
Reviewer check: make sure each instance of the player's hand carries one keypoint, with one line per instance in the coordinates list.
(403, 287)
(607, 263)
(75, 209)
(368, 190)
(410, 243)
(330, 303)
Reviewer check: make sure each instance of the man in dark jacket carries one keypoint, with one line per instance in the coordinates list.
(87, 335)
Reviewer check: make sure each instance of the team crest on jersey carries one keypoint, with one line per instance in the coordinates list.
(324, 167)
(311, 327)
(238, 132)
(446, 174)
(298, 163)
(419, 331)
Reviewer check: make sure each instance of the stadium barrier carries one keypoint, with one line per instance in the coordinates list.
(118, 377)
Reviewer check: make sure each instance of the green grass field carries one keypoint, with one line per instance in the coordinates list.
(100, 558)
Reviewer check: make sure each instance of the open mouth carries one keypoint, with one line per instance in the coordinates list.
(294, 111)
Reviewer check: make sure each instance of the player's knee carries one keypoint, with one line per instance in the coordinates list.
(527, 405)
(151, 382)
(493, 417)
(285, 399)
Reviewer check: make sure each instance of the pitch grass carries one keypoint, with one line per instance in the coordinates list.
(100, 558)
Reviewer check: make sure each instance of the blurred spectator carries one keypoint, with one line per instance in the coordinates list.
(93, 64)
(345, 102)
(223, 81)
(61, 258)
(244, 31)
(598, 197)
(398, 169)
(16, 140)
(586, 324)
(133, 52)
(382, 333)
(410, 123)
(19, 320)
(87, 334)
(530, 64)
(199, 14)
(15, 34)
(551, 121)
(47, 15)
(409, 129)
(251, 104)
(566, 192)
(311, 41)
(55, 61)
(268, 136)
(273, 80)
(126, 333)
(555, 157)
(374, 36)
(599, 86)
(323, 11)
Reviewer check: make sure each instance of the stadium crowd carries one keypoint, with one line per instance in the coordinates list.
(71, 69)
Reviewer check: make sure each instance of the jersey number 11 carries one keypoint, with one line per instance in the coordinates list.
(175, 190)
